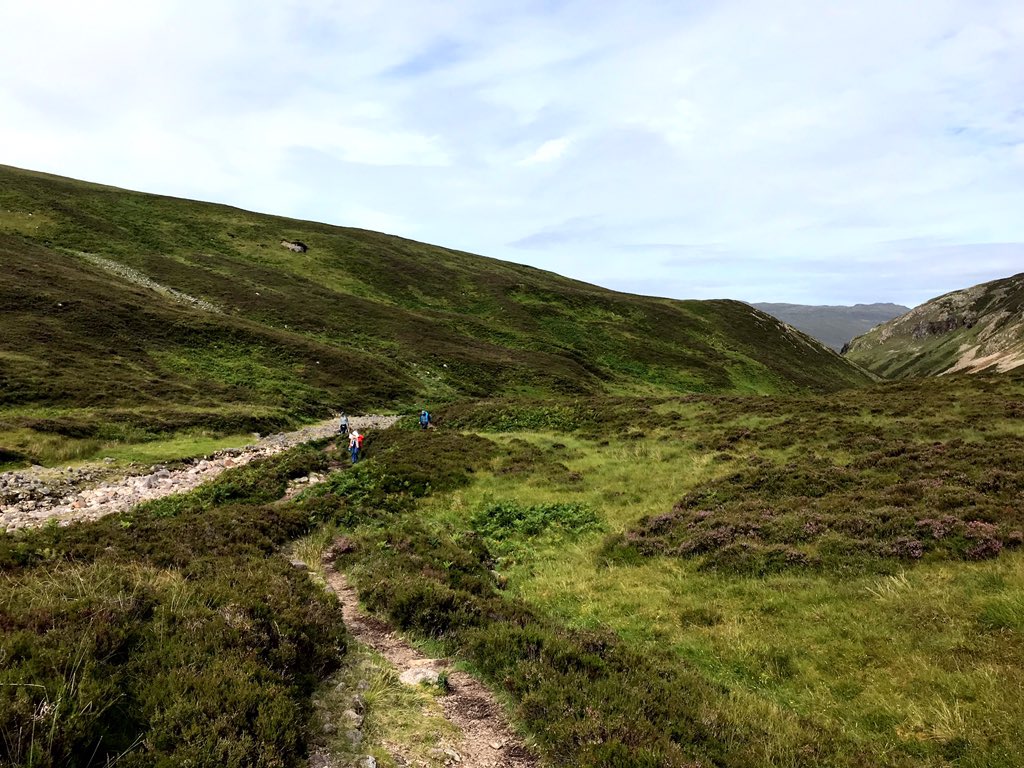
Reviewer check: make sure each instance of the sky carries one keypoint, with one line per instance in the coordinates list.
(808, 151)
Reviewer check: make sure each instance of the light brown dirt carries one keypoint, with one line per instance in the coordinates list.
(487, 740)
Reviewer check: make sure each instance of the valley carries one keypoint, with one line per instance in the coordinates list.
(661, 533)
(834, 326)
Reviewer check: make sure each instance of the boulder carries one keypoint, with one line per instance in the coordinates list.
(353, 717)
(422, 674)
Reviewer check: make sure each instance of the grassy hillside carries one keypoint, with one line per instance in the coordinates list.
(834, 326)
(976, 329)
(156, 313)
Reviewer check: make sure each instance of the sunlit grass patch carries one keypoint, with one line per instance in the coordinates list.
(51, 436)
(24, 446)
(864, 657)
(33, 223)
(393, 717)
(174, 448)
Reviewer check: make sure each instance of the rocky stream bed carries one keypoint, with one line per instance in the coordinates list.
(33, 497)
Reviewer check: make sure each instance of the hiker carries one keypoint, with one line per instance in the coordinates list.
(354, 441)
(424, 420)
(343, 429)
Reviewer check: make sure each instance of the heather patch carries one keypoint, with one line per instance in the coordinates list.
(905, 502)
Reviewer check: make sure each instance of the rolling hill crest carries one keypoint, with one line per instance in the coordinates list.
(118, 299)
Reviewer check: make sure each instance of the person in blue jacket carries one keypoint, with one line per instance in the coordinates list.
(424, 420)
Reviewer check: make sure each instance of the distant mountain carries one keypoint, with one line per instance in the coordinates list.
(122, 300)
(833, 326)
(976, 329)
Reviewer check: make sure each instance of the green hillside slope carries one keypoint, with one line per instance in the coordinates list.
(125, 301)
(832, 325)
(976, 329)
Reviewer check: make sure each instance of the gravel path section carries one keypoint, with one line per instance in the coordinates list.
(487, 740)
(33, 497)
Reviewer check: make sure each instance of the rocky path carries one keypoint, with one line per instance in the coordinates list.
(487, 740)
(31, 498)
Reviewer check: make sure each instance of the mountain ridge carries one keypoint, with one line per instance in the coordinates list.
(834, 325)
(968, 330)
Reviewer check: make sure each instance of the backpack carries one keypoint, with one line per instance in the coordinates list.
(359, 441)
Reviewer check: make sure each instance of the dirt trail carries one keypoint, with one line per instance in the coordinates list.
(487, 740)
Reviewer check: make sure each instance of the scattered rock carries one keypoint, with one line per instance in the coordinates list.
(353, 717)
(417, 675)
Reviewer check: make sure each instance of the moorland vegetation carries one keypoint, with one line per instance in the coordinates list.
(548, 546)
(687, 536)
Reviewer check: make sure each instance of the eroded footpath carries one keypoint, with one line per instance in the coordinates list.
(486, 740)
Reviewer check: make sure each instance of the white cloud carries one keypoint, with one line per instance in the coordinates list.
(548, 152)
(789, 135)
